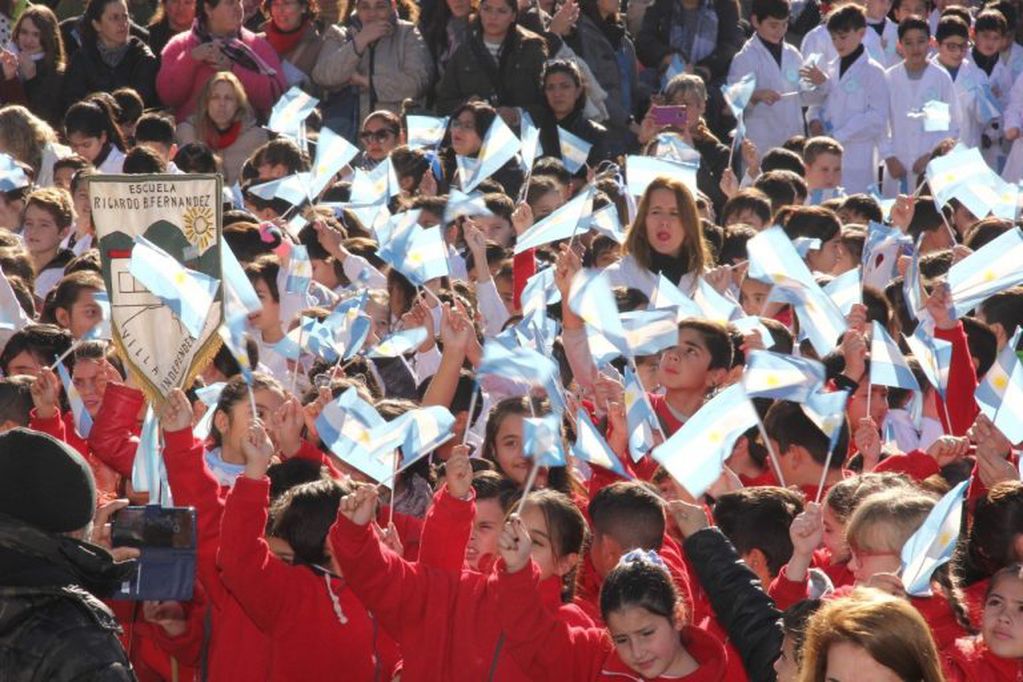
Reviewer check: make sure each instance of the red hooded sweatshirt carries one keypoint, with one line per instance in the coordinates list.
(552, 650)
(316, 626)
(445, 621)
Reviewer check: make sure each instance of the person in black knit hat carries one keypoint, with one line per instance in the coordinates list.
(52, 624)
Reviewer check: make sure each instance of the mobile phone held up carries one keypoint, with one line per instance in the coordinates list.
(674, 116)
(165, 538)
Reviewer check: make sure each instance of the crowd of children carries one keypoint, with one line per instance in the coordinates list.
(618, 493)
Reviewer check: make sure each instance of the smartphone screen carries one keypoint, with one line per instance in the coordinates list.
(669, 116)
(153, 526)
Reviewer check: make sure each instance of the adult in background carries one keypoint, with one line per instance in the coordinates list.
(293, 33)
(110, 57)
(372, 60)
(172, 17)
(705, 34)
(218, 42)
(602, 41)
(36, 62)
(224, 121)
(53, 625)
(500, 62)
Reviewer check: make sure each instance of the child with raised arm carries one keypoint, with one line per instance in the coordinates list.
(446, 621)
(647, 635)
(315, 624)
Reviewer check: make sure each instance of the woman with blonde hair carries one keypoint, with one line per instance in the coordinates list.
(666, 238)
(34, 73)
(869, 635)
(31, 140)
(224, 121)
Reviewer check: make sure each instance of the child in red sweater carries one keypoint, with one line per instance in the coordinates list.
(996, 654)
(646, 635)
(446, 621)
(315, 625)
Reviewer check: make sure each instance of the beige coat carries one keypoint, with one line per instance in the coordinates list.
(402, 66)
(251, 138)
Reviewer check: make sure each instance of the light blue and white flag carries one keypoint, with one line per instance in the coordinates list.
(992, 268)
(695, 454)
(888, 366)
(782, 377)
(426, 131)
(591, 447)
(574, 150)
(845, 291)
(932, 544)
(542, 442)
(83, 420)
(291, 111)
(569, 219)
(189, 294)
(1000, 394)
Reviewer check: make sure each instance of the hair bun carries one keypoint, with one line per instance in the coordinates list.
(642, 556)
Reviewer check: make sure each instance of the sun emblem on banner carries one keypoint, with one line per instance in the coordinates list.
(200, 227)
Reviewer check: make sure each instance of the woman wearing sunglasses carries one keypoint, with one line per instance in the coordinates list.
(380, 133)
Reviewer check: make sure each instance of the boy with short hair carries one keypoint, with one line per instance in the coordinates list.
(989, 29)
(773, 112)
(823, 158)
(156, 132)
(45, 222)
(802, 448)
(882, 34)
(851, 105)
(911, 84)
(757, 521)
(1003, 312)
(1011, 51)
(953, 38)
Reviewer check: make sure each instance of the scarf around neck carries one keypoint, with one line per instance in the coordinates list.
(236, 50)
(284, 42)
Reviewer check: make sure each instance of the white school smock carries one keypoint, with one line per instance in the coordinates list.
(907, 140)
(630, 274)
(1001, 83)
(1013, 118)
(855, 113)
(769, 125)
(968, 81)
(818, 41)
(114, 163)
(882, 47)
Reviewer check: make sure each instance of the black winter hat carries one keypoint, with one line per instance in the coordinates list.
(44, 482)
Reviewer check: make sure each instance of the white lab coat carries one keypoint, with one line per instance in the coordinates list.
(907, 140)
(818, 41)
(769, 125)
(968, 81)
(1013, 58)
(855, 113)
(882, 47)
(1001, 86)
(1013, 118)
(630, 274)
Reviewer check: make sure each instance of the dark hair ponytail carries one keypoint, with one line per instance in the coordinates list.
(92, 118)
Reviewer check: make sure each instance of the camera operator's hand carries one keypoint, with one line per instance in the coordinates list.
(101, 531)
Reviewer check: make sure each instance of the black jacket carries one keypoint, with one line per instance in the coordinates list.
(742, 606)
(514, 82)
(51, 628)
(88, 73)
(577, 124)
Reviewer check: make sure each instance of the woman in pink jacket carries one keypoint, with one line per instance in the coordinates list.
(217, 42)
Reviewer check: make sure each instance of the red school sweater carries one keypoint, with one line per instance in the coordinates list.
(549, 649)
(238, 650)
(969, 660)
(293, 604)
(445, 622)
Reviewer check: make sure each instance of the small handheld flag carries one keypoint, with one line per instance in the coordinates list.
(591, 447)
(189, 294)
(932, 544)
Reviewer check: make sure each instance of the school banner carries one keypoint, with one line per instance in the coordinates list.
(180, 214)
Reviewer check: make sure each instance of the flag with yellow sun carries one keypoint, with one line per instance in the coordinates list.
(182, 216)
